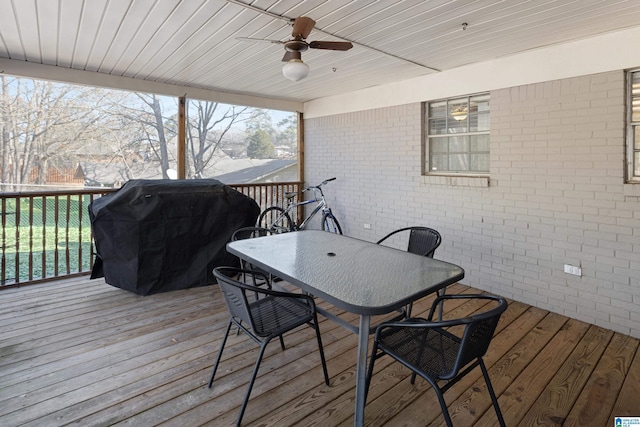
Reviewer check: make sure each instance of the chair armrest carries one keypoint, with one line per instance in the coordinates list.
(392, 233)
(429, 323)
(502, 304)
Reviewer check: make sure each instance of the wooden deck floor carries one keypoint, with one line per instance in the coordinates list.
(84, 353)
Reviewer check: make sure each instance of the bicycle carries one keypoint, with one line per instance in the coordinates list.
(278, 219)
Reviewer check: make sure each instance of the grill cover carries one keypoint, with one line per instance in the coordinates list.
(156, 236)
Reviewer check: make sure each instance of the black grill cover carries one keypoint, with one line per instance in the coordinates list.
(156, 236)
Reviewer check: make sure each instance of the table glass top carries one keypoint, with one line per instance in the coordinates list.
(352, 274)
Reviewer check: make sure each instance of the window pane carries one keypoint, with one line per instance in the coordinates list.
(458, 115)
(636, 163)
(635, 84)
(458, 162)
(635, 110)
(479, 122)
(459, 126)
(437, 126)
(479, 143)
(479, 113)
(479, 103)
(439, 145)
(439, 162)
(459, 144)
(479, 162)
(438, 109)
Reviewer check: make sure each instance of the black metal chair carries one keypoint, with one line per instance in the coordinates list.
(429, 349)
(422, 241)
(263, 319)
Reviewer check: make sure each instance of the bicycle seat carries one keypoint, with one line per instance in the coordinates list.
(290, 194)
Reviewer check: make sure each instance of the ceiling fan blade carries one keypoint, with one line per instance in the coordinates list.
(251, 39)
(302, 26)
(330, 45)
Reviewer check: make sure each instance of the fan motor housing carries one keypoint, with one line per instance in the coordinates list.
(296, 45)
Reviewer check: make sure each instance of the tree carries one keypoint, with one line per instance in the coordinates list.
(260, 145)
(5, 124)
(119, 135)
(153, 130)
(42, 126)
(208, 124)
(260, 120)
(288, 134)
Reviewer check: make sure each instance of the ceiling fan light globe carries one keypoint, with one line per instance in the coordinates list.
(295, 70)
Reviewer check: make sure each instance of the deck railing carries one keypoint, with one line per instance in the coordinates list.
(46, 235)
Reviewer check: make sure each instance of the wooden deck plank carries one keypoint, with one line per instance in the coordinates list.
(627, 403)
(149, 397)
(557, 399)
(534, 377)
(80, 352)
(298, 368)
(81, 338)
(595, 405)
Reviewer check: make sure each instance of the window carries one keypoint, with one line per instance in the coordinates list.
(458, 135)
(633, 126)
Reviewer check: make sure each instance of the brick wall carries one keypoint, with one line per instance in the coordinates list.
(555, 195)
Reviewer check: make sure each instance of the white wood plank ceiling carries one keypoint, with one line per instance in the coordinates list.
(193, 43)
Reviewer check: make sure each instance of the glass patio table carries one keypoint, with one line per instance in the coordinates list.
(353, 275)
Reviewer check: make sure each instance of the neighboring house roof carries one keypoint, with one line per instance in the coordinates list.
(229, 171)
(254, 171)
(105, 174)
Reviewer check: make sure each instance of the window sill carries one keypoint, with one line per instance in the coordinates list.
(456, 180)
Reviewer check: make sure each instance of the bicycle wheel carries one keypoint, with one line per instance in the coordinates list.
(275, 219)
(330, 223)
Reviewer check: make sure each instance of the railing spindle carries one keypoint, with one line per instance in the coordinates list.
(66, 234)
(80, 216)
(43, 256)
(3, 263)
(31, 218)
(17, 240)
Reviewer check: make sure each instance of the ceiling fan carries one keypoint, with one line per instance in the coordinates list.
(295, 69)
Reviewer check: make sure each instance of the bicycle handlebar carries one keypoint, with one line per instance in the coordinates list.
(319, 185)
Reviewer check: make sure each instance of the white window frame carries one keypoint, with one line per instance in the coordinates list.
(633, 129)
(429, 168)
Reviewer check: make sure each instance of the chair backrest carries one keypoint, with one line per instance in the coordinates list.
(422, 240)
(249, 233)
(233, 292)
(479, 332)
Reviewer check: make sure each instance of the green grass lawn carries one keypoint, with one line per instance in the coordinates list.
(44, 233)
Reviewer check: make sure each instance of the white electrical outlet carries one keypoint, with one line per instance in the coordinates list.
(367, 226)
(572, 269)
